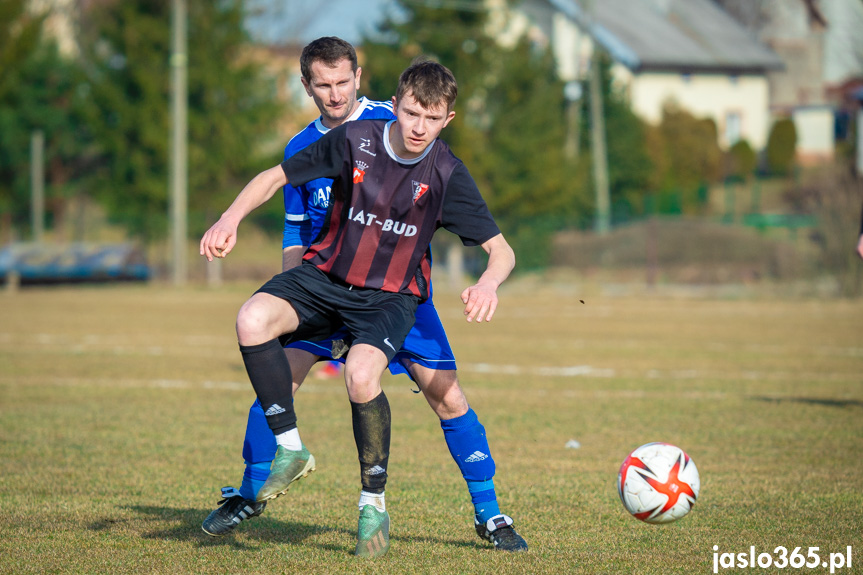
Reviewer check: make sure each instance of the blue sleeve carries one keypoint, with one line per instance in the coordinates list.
(296, 200)
(297, 233)
(297, 225)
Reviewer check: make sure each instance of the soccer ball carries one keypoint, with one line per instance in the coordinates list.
(658, 483)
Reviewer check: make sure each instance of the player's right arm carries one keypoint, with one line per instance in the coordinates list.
(297, 227)
(221, 238)
(292, 256)
(322, 159)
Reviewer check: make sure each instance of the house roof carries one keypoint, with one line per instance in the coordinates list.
(679, 35)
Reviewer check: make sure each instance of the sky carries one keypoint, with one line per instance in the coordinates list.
(301, 21)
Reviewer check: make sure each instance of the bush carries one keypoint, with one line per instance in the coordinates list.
(740, 161)
(781, 147)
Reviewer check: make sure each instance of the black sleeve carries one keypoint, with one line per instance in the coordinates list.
(321, 159)
(465, 213)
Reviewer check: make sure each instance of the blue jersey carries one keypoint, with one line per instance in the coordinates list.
(306, 205)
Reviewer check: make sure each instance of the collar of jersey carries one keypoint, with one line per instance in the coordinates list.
(357, 113)
(397, 158)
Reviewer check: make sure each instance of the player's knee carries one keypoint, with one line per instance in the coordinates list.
(256, 323)
(250, 325)
(363, 383)
(360, 376)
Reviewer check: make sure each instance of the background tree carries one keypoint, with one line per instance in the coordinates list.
(509, 127)
(20, 33)
(455, 37)
(230, 109)
(687, 153)
(533, 188)
(47, 97)
(740, 161)
(33, 95)
(781, 147)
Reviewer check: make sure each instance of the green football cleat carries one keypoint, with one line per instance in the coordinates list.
(288, 466)
(373, 533)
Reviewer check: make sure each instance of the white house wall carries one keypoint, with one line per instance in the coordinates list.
(718, 97)
(815, 133)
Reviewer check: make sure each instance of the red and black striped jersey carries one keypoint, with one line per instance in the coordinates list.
(384, 210)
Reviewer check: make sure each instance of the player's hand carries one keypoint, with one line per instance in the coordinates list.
(860, 247)
(480, 302)
(218, 241)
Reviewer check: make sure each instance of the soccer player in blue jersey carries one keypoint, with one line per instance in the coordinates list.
(331, 77)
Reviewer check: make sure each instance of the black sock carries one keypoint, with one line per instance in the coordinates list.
(372, 434)
(270, 374)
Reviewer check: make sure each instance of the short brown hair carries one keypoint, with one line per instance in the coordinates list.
(430, 83)
(330, 50)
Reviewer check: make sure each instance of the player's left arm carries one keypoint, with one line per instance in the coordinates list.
(480, 299)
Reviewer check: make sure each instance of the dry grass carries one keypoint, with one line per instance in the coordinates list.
(122, 413)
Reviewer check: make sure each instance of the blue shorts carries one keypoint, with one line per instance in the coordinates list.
(426, 344)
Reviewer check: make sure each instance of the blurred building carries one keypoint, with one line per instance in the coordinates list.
(821, 44)
(689, 52)
(741, 63)
(277, 22)
(280, 64)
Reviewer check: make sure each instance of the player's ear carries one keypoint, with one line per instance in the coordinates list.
(306, 86)
(395, 104)
(449, 118)
(357, 77)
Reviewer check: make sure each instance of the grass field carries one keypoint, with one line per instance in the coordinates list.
(122, 412)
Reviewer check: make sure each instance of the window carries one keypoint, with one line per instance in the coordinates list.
(732, 128)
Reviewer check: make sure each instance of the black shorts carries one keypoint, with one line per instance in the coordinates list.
(371, 316)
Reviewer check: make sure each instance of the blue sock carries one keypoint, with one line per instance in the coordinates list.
(484, 499)
(254, 478)
(465, 437)
(259, 446)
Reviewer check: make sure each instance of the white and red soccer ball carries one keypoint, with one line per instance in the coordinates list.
(658, 483)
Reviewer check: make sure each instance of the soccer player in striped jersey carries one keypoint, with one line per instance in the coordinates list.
(331, 77)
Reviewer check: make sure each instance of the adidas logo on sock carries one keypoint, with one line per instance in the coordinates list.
(476, 456)
(376, 470)
(275, 409)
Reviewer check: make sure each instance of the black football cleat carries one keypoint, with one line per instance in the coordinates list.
(499, 531)
(233, 509)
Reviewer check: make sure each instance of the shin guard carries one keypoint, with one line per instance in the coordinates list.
(270, 374)
(371, 423)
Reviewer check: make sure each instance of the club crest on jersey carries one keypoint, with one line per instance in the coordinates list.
(419, 189)
(359, 171)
